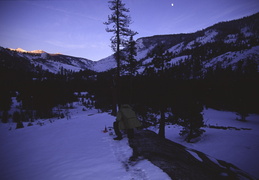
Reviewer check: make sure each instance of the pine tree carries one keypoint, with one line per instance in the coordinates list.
(132, 62)
(132, 65)
(160, 61)
(120, 22)
(188, 111)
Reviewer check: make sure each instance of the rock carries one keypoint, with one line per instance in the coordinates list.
(19, 125)
(180, 162)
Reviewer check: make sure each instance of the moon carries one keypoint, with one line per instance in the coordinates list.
(172, 4)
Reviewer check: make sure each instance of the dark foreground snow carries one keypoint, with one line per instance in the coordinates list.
(78, 149)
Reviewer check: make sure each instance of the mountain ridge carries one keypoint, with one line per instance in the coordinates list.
(24, 51)
(220, 43)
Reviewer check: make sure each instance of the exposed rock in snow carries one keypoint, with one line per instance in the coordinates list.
(180, 162)
(44, 55)
(208, 37)
(231, 58)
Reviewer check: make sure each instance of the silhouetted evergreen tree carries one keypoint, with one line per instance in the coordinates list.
(119, 40)
(132, 65)
(187, 111)
(160, 61)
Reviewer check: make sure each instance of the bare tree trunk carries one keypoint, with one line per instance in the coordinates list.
(161, 132)
(114, 100)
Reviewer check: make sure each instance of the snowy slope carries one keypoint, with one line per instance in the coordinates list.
(78, 149)
(239, 147)
(180, 50)
(208, 37)
(70, 149)
(50, 62)
(232, 58)
(104, 64)
(240, 36)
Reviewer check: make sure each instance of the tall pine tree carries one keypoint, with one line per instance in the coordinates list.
(132, 65)
(120, 22)
(160, 61)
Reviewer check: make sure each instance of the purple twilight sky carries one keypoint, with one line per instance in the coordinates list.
(75, 27)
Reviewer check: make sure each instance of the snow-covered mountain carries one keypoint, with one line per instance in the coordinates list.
(43, 60)
(24, 51)
(223, 44)
(52, 62)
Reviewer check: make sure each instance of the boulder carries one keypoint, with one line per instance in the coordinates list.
(180, 162)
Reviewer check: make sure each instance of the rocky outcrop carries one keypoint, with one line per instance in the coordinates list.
(180, 162)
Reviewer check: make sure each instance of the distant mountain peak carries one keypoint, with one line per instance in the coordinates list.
(24, 51)
(37, 51)
(18, 50)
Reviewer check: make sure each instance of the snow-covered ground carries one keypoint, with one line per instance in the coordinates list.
(78, 148)
(239, 147)
(72, 149)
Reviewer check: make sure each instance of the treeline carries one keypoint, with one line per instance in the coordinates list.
(39, 92)
(175, 93)
(224, 94)
(162, 99)
(162, 96)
